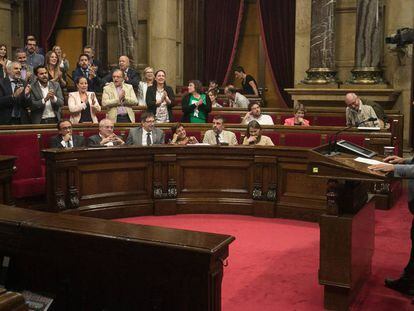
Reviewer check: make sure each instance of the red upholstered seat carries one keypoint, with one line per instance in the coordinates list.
(233, 118)
(138, 114)
(28, 180)
(45, 139)
(328, 121)
(101, 115)
(274, 136)
(177, 115)
(309, 140)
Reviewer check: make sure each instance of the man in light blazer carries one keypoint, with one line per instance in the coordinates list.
(147, 134)
(46, 99)
(218, 136)
(119, 97)
(402, 168)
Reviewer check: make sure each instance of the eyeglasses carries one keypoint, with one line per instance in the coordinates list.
(149, 121)
(65, 128)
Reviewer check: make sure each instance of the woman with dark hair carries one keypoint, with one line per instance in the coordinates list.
(195, 105)
(180, 136)
(249, 84)
(298, 118)
(83, 105)
(160, 98)
(3, 61)
(212, 94)
(53, 70)
(254, 135)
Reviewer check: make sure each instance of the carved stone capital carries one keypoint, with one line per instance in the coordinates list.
(60, 200)
(257, 192)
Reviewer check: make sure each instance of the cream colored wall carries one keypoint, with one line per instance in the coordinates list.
(398, 13)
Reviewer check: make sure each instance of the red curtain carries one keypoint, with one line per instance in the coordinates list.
(49, 12)
(278, 33)
(222, 27)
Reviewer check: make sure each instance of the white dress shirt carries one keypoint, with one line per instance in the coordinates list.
(48, 112)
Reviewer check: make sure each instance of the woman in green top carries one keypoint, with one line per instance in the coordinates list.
(195, 104)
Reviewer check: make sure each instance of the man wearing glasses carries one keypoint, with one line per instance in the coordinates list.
(65, 138)
(358, 111)
(147, 134)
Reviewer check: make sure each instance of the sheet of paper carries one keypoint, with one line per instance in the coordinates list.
(367, 128)
(367, 161)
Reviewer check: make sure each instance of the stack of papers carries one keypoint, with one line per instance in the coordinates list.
(367, 161)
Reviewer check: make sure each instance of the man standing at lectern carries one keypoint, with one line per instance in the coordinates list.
(357, 112)
(402, 168)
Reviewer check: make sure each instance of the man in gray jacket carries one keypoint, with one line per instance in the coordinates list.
(147, 134)
(402, 168)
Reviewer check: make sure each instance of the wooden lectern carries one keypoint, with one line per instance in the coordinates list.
(347, 227)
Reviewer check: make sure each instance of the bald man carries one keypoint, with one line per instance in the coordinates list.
(131, 75)
(358, 111)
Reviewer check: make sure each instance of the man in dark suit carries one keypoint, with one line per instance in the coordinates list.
(131, 75)
(14, 96)
(147, 134)
(106, 136)
(94, 63)
(85, 70)
(46, 97)
(65, 138)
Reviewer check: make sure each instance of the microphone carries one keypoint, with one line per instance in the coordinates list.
(335, 137)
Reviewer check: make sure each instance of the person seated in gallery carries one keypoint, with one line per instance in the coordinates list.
(83, 105)
(254, 135)
(106, 136)
(195, 105)
(235, 99)
(213, 86)
(358, 111)
(85, 69)
(299, 117)
(147, 134)
(180, 136)
(249, 84)
(255, 113)
(131, 76)
(66, 139)
(160, 98)
(119, 97)
(218, 135)
(212, 94)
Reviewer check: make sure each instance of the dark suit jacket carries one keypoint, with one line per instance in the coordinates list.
(188, 109)
(7, 102)
(150, 99)
(133, 77)
(55, 141)
(94, 141)
(94, 85)
(38, 107)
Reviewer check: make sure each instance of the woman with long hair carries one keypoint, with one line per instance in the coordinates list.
(63, 62)
(254, 135)
(160, 98)
(3, 60)
(53, 70)
(83, 105)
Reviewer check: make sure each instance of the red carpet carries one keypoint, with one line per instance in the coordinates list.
(273, 263)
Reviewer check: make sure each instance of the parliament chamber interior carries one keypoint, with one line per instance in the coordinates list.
(206, 155)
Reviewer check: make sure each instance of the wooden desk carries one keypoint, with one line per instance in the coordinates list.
(6, 172)
(165, 180)
(94, 264)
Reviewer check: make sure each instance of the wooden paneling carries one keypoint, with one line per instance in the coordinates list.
(6, 171)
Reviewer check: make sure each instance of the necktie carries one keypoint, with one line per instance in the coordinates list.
(218, 139)
(149, 143)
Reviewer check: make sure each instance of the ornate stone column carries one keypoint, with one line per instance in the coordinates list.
(5, 25)
(96, 30)
(127, 18)
(369, 44)
(322, 45)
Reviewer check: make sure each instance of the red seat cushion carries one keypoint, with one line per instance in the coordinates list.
(329, 121)
(28, 187)
(274, 136)
(45, 139)
(177, 115)
(101, 115)
(309, 140)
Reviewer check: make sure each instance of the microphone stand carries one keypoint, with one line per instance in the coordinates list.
(332, 144)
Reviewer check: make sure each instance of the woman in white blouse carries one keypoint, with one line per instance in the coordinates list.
(143, 85)
(83, 105)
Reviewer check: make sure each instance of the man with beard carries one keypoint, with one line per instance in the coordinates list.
(14, 96)
(84, 69)
(46, 97)
(219, 136)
